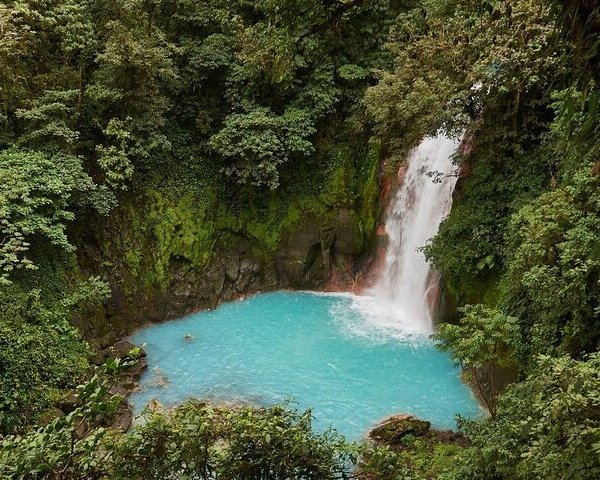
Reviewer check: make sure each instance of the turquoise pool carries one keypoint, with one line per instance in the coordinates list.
(318, 350)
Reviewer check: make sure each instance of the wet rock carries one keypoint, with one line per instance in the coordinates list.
(116, 302)
(107, 340)
(348, 237)
(393, 430)
(122, 349)
(299, 260)
(98, 358)
(232, 268)
(212, 282)
(309, 251)
(241, 285)
(124, 418)
(138, 368)
(248, 265)
(119, 390)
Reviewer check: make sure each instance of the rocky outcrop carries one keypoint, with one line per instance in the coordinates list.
(393, 430)
(302, 260)
(399, 431)
(312, 253)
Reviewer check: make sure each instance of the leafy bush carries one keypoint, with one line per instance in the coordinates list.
(193, 441)
(36, 192)
(547, 426)
(41, 355)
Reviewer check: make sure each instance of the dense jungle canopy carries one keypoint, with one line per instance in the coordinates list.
(137, 136)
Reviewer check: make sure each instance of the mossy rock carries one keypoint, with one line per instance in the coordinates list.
(393, 430)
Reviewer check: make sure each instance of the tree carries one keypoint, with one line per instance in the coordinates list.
(483, 338)
(130, 87)
(258, 142)
(36, 191)
(15, 43)
(51, 121)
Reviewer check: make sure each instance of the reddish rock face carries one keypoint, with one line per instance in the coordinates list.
(360, 277)
(339, 280)
(390, 185)
(465, 170)
(371, 275)
(466, 146)
(434, 292)
(400, 176)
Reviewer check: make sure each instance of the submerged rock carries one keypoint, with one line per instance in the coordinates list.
(160, 379)
(393, 430)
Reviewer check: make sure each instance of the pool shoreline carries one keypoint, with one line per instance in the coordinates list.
(135, 386)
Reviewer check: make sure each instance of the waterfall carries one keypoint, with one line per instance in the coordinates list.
(399, 300)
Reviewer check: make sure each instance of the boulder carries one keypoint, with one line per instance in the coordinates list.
(232, 267)
(98, 358)
(108, 339)
(122, 349)
(138, 368)
(393, 430)
(123, 419)
(248, 265)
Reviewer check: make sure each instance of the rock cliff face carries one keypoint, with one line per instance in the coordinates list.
(150, 286)
(165, 257)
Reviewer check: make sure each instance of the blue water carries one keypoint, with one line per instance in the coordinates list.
(315, 349)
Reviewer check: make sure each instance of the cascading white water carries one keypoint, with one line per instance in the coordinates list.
(399, 299)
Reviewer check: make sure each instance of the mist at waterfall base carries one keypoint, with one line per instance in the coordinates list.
(353, 360)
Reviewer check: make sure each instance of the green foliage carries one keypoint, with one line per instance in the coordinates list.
(547, 426)
(483, 338)
(471, 245)
(417, 459)
(41, 354)
(169, 230)
(50, 121)
(193, 441)
(552, 253)
(554, 267)
(67, 447)
(206, 442)
(385, 463)
(259, 141)
(36, 192)
(113, 159)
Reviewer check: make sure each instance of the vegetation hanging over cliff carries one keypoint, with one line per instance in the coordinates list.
(177, 127)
